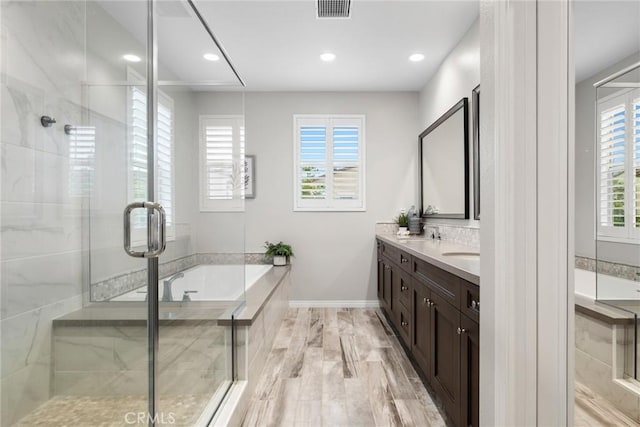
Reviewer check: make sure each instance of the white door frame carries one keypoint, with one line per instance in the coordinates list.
(527, 221)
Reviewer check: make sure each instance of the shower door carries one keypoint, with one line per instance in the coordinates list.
(162, 247)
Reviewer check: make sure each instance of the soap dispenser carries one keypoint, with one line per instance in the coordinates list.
(414, 221)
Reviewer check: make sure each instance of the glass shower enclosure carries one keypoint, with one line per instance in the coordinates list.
(111, 263)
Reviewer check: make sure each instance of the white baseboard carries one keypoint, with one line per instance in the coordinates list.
(365, 303)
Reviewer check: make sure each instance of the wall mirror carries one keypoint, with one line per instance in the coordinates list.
(475, 106)
(444, 165)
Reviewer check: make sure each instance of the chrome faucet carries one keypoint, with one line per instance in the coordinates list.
(167, 296)
(435, 233)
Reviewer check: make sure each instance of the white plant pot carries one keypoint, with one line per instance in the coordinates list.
(279, 260)
(402, 230)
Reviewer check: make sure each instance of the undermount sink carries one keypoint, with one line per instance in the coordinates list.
(470, 255)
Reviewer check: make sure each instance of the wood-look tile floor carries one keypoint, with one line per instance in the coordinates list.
(339, 367)
(593, 410)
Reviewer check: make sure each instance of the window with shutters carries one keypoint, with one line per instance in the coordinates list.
(619, 166)
(137, 161)
(222, 177)
(82, 154)
(329, 163)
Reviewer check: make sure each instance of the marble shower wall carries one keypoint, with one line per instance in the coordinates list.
(61, 227)
(42, 47)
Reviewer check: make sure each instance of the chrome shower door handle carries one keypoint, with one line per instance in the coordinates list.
(157, 232)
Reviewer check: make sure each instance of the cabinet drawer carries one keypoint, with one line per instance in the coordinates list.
(470, 305)
(438, 280)
(402, 259)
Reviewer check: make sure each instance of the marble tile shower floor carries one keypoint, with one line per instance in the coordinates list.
(80, 411)
(339, 367)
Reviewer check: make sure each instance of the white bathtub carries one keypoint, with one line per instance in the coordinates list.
(210, 283)
(609, 287)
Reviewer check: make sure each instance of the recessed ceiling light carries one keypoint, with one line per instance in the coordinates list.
(416, 57)
(211, 57)
(328, 57)
(131, 58)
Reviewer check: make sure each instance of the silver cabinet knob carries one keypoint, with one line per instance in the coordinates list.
(403, 288)
(403, 323)
(403, 260)
(387, 267)
(461, 331)
(473, 304)
(431, 303)
(425, 300)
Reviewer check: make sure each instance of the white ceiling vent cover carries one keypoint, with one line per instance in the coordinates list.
(333, 8)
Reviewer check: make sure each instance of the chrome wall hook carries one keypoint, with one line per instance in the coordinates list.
(47, 121)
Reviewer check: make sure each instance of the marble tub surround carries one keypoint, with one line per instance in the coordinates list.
(257, 336)
(603, 312)
(623, 271)
(431, 251)
(592, 409)
(603, 361)
(123, 283)
(339, 367)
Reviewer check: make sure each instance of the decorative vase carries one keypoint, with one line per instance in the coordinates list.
(279, 260)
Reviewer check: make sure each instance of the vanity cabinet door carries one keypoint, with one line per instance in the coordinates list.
(400, 296)
(420, 344)
(387, 278)
(445, 355)
(380, 280)
(469, 372)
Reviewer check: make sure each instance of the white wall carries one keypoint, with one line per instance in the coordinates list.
(335, 252)
(455, 79)
(585, 175)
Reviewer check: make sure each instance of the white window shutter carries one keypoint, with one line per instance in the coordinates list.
(82, 154)
(619, 167)
(222, 151)
(329, 163)
(612, 166)
(636, 162)
(137, 166)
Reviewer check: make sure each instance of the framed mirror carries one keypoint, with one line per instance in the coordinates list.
(444, 165)
(475, 106)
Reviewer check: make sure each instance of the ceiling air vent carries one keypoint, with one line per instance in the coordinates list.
(333, 8)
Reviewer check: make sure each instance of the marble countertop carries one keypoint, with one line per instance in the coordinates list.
(114, 313)
(431, 251)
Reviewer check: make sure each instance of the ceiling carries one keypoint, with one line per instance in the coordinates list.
(605, 33)
(276, 45)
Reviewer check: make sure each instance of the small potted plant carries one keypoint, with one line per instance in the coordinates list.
(279, 251)
(403, 222)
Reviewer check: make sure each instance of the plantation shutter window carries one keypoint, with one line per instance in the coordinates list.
(222, 153)
(619, 166)
(636, 162)
(137, 162)
(82, 154)
(329, 163)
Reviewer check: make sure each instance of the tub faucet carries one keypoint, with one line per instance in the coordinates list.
(167, 296)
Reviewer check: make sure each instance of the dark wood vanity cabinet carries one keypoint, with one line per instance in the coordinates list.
(444, 371)
(469, 372)
(436, 315)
